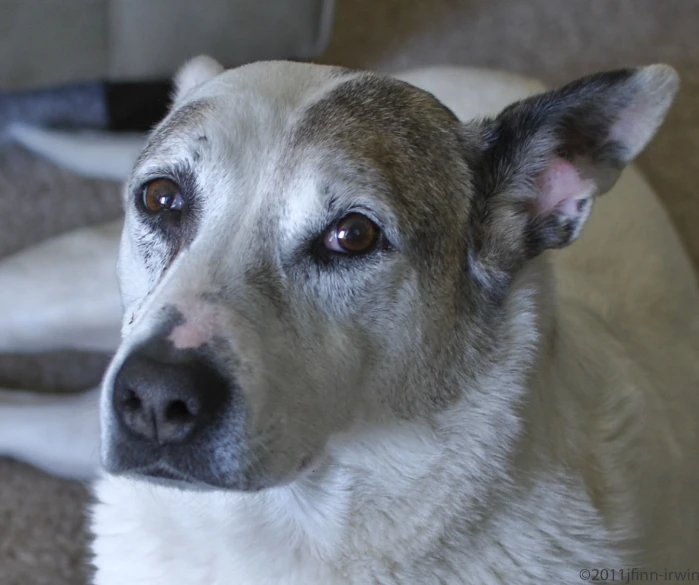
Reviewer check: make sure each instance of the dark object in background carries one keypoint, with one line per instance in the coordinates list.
(95, 105)
(136, 106)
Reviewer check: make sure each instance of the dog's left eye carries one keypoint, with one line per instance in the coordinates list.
(353, 235)
(162, 195)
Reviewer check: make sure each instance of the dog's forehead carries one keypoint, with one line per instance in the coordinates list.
(262, 103)
(287, 138)
(372, 139)
(249, 104)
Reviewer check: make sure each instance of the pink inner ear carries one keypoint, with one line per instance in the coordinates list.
(562, 188)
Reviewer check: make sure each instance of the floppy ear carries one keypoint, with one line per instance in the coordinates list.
(193, 73)
(539, 165)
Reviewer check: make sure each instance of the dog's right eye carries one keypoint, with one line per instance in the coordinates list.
(162, 195)
(354, 235)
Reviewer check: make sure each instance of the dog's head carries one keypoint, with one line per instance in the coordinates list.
(308, 249)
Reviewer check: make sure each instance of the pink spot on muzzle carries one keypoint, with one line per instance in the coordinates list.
(198, 328)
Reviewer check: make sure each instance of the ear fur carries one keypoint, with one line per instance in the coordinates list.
(193, 73)
(543, 160)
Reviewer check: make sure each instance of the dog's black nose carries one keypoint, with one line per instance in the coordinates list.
(166, 400)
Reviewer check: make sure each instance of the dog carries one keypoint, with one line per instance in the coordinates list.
(359, 348)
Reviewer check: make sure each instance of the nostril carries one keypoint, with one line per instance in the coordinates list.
(131, 401)
(166, 402)
(178, 411)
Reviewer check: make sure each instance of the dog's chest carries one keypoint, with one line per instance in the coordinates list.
(147, 539)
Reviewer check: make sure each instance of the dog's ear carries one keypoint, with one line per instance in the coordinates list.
(539, 165)
(193, 73)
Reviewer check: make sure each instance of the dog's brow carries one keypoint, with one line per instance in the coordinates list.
(188, 117)
(391, 143)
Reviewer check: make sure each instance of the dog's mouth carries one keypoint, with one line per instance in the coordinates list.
(163, 474)
(163, 471)
(190, 467)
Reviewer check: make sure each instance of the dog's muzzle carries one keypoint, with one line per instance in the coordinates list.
(170, 409)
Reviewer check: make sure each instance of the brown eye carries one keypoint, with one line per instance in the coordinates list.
(353, 234)
(162, 195)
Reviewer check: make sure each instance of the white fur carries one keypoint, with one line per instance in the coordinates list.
(193, 73)
(604, 428)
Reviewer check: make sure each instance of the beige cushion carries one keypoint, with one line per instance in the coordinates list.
(50, 42)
